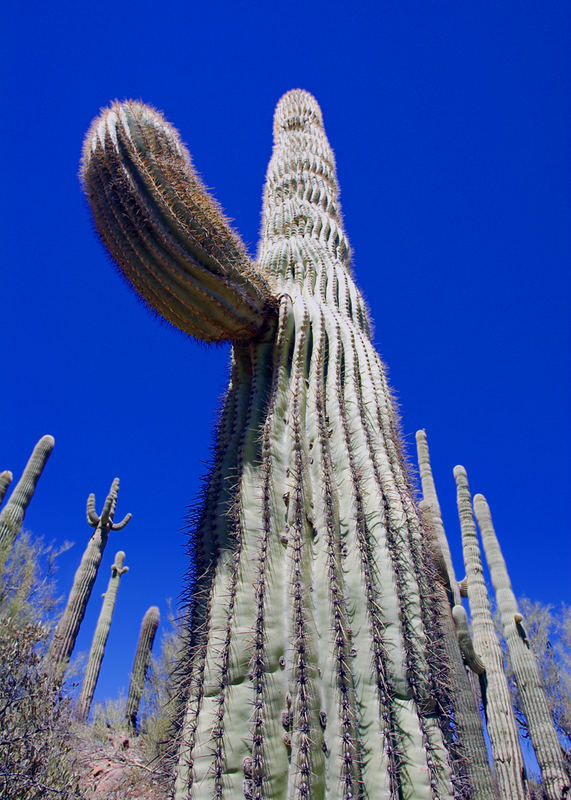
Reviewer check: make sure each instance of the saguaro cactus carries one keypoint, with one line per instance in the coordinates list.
(147, 634)
(323, 680)
(5, 481)
(541, 729)
(67, 629)
(97, 649)
(12, 515)
(502, 726)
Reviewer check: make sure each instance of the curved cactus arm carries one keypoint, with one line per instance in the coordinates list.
(12, 515)
(147, 634)
(502, 726)
(110, 504)
(463, 587)
(92, 516)
(168, 236)
(541, 729)
(5, 481)
(97, 650)
(118, 526)
(465, 640)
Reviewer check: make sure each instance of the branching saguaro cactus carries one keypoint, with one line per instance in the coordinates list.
(541, 729)
(501, 722)
(147, 634)
(5, 481)
(313, 667)
(97, 649)
(67, 629)
(12, 515)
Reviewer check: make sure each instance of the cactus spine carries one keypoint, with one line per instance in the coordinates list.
(97, 650)
(5, 481)
(67, 629)
(501, 722)
(324, 681)
(147, 634)
(541, 729)
(12, 515)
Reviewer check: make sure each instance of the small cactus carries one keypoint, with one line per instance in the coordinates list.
(66, 632)
(12, 515)
(97, 650)
(541, 729)
(5, 481)
(147, 634)
(502, 726)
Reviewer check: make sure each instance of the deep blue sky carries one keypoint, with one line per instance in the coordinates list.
(451, 127)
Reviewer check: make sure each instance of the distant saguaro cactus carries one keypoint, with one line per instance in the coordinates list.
(97, 650)
(67, 629)
(147, 634)
(5, 481)
(12, 515)
(500, 717)
(541, 729)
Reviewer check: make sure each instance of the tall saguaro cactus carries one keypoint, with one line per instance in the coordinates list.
(67, 629)
(313, 665)
(12, 515)
(147, 634)
(97, 649)
(541, 729)
(502, 726)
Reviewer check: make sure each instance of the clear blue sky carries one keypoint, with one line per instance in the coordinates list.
(451, 127)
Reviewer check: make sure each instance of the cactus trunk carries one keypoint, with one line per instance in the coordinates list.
(12, 515)
(540, 724)
(501, 722)
(63, 642)
(97, 649)
(313, 666)
(147, 633)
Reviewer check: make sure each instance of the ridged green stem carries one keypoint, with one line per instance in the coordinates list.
(12, 515)
(313, 666)
(97, 649)
(5, 481)
(470, 741)
(502, 726)
(147, 634)
(540, 724)
(67, 629)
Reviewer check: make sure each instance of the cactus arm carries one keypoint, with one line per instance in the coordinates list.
(99, 642)
(12, 515)
(5, 481)
(62, 644)
(465, 640)
(541, 729)
(463, 587)
(92, 516)
(141, 662)
(167, 235)
(118, 526)
(502, 726)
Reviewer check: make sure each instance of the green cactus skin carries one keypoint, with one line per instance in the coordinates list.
(147, 634)
(12, 515)
(67, 629)
(468, 720)
(5, 481)
(169, 238)
(97, 649)
(542, 732)
(313, 666)
(502, 726)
